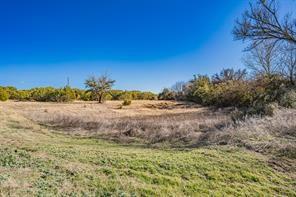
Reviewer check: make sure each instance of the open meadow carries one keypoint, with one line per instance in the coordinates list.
(150, 148)
(148, 98)
(148, 121)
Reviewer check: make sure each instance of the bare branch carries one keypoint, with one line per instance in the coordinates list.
(262, 23)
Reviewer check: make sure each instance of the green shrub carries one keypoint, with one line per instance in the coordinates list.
(85, 96)
(125, 96)
(126, 102)
(50, 94)
(22, 95)
(232, 89)
(133, 95)
(138, 95)
(43, 94)
(199, 90)
(60, 95)
(67, 94)
(166, 94)
(4, 96)
(231, 93)
(12, 92)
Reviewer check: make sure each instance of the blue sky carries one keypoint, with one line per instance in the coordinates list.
(145, 45)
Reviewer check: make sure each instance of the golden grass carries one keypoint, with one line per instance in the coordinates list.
(34, 161)
(110, 109)
(152, 122)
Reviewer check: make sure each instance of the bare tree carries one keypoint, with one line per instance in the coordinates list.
(288, 63)
(178, 86)
(262, 22)
(229, 75)
(263, 59)
(178, 90)
(99, 86)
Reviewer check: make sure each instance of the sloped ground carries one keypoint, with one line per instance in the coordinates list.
(273, 136)
(36, 161)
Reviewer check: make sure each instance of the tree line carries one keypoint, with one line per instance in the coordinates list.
(68, 94)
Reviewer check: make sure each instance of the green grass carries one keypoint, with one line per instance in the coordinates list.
(35, 161)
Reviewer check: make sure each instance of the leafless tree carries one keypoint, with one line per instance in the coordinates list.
(178, 90)
(288, 63)
(263, 59)
(262, 22)
(178, 86)
(229, 75)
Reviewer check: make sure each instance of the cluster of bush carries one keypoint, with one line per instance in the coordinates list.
(234, 89)
(3, 94)
(118, 95)
(46, 94)
(68, 94)
(270, 55)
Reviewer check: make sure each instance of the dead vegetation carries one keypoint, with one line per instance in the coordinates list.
(272, 136)
(149, 122)
(275, 135)
(171, 105)
(173, 128)
(176, 124)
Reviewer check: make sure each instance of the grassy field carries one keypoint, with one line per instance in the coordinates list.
(149, 122)
(36, 160)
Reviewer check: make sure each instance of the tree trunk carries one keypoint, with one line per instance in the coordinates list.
(291, 76)
(100, 98)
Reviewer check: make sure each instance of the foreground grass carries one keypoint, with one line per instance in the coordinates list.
(35, 161)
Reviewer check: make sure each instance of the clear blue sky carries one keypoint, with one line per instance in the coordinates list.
(142, 44)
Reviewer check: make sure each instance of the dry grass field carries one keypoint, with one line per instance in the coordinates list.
(165, 123)
(152, 122)
(150, 148)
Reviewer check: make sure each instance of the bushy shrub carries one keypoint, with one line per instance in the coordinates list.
(50, 94)
(288, 99)
(166, 94)
(270, 109)
(22, 95)
(42, 94)
(126, 102)
(232, 89)
(86, 96)
(67, 94)
(12, 92)
(144, 96)
(4, 96)
(125, 96)
(77, 93)
(268, 89)
(133, 95)
(231, 93)
(60, 95)
(267, 109)
(199, 90)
